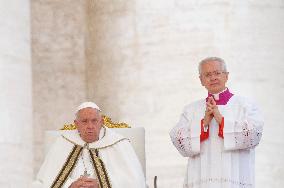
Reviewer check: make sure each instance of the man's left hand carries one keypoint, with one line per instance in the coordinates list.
(216, 113)
(85, 182)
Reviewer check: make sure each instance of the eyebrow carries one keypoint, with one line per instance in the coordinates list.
(215, 71)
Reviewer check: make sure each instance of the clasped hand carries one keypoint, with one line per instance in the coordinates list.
(211, 112)
(84, 182)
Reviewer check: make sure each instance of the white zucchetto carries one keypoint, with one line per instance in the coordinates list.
(87, 105)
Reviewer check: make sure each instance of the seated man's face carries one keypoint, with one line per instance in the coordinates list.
(89, 123)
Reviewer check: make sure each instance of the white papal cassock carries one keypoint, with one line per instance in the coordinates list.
(111, 159)
(217, 162)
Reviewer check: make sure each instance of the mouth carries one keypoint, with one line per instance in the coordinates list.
(214, 84)
(90, 133)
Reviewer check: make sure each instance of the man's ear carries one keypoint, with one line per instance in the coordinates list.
(200, 78)
(227, 76)
(102, 120)
(76, 123)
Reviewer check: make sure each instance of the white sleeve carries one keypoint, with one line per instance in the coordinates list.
(123, 166)
(246, 131)
(68, 182)
(186, 143)
(36, 184)
(57, 155)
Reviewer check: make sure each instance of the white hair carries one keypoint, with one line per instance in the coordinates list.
(208, 59)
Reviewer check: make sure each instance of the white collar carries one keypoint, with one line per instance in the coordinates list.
(107, 138)
(216, 96)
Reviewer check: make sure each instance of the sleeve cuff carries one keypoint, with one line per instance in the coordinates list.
(221, 128)
(204, 131)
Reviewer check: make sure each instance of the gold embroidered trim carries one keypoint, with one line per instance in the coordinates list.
(113, 143)
(67, 167)
(69, 140)
(102, 137)
(85, 143)
(100, 169)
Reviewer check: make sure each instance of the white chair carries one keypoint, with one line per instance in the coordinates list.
(135, 135)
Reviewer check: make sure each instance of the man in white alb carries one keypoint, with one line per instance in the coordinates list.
(218, 134)
(92, 156)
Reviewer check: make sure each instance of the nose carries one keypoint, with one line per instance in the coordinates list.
(213, 77)
(90, 125)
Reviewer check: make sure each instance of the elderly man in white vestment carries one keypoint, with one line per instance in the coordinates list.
(92, 156)
(218, 134)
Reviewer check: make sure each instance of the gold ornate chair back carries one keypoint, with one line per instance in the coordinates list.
(107, 122)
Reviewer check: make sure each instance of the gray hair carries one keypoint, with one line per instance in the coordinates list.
(208, 59)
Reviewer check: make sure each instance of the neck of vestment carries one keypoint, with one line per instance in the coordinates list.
(221, 98)
(106, 139)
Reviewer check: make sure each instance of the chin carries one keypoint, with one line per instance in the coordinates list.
(89, 140)
(214, 91)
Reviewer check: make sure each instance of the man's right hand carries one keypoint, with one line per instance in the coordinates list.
(85, 182)
(208, 114)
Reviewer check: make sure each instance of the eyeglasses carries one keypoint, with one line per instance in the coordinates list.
(215, 73)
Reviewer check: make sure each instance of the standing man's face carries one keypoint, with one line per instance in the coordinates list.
(89, 123)
(212, 77)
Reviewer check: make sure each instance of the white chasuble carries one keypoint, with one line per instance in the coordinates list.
(111, 160)
(219, 162)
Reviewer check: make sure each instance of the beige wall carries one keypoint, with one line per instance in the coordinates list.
(138, 61)
(58, 64)
(111, 49)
